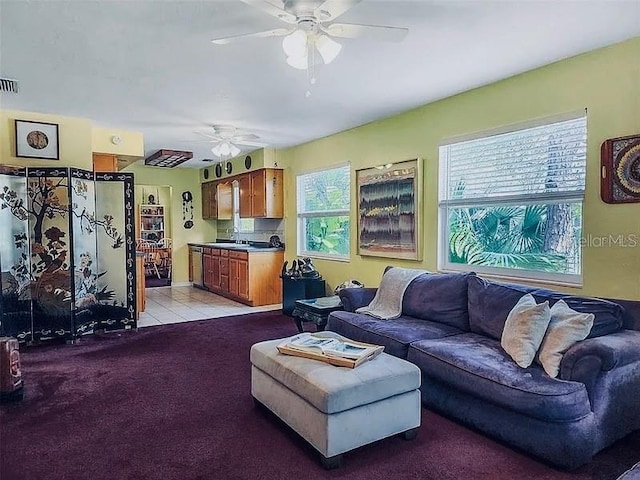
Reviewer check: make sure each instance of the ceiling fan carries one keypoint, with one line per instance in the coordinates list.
(226, 138)
(313, 29)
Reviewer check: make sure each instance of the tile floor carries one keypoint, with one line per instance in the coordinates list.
(185, 304)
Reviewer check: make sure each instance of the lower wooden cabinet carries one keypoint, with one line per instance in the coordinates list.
(252, 278)
(239, 274)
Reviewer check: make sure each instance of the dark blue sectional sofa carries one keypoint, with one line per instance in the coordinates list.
(451, 326)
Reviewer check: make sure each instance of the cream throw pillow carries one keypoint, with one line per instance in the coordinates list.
(524, 329)
(565, 328)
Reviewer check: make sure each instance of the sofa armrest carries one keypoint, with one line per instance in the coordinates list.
(353, 298)
(584, 361)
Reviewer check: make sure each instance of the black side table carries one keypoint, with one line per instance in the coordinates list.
(297, 288)
(315, 310)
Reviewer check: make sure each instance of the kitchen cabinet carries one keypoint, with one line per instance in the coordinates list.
(208, 199)
(239, 274)
(224, 200)
(224, 270)
(217, 200)
(247, 276)
(261, 194)
(207, 275)
(105, 162)
(215, 195)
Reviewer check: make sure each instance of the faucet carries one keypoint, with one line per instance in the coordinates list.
(235, 235)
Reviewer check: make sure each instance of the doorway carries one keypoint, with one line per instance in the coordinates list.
(154, 233)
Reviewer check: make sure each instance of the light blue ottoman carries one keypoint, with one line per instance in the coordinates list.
(337, 409)
(632, 474)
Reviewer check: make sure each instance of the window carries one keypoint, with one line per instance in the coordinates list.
(511, 203)
(323, 213)
(244, 225)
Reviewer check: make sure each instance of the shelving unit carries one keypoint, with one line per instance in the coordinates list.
(152, 226)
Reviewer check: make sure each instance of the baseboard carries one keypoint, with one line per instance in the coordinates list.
(180, 284)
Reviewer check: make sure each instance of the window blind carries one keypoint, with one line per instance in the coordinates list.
(543, 163)
(324, 191)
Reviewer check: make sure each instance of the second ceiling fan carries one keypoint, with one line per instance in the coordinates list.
(226, 138)
(313, 29)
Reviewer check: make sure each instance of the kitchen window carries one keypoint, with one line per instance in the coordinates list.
(510, 202)
(323, 213)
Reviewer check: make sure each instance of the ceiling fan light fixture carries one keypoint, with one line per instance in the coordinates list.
(295, 44)
(300, 62)
(225, 148)
(216, 150)
(234, 150)
(328, 48)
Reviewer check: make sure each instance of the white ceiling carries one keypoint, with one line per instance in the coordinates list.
(149, 65)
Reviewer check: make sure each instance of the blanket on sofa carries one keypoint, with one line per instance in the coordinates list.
(387, 303)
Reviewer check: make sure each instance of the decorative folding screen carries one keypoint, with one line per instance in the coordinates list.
(78, 262)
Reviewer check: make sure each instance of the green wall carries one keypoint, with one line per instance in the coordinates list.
(606, 82)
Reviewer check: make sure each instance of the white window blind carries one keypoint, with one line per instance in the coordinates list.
(323, 213)
(324, 191)
(545, 162)
(511, 202)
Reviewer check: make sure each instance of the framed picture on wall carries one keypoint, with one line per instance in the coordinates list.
(620, 170)
(37, 140)
(389, 204)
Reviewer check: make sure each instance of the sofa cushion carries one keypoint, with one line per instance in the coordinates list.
(395, 335)
(565, 329)
(524, 329)
(477, 365)
(491, 302)
(439, 297)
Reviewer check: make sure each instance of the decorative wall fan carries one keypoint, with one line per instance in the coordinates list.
(312, 31)
(226, 138)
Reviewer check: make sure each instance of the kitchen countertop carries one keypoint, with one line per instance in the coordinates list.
(241, 247)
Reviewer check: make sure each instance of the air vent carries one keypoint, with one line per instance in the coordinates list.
(8, 85)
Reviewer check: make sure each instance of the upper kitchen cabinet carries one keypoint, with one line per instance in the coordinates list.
(209, 208)
(224, 200)
(217, 200)
(261, 194)
(105, 162)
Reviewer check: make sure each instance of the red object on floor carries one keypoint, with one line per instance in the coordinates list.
(11, 384)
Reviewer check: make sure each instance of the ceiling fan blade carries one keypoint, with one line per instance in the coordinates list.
(273, 8)
(375, 32)
(208, 135)
(248, 143)
(244, 136)
(332, 9)
(276, 32)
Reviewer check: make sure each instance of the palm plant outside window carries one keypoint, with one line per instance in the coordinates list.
(323, 213)
(511, 203)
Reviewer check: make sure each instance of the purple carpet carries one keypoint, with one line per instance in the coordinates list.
(173, 402)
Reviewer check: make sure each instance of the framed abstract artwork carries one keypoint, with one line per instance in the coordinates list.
(37, 140)
(389, 204)
(620, 172)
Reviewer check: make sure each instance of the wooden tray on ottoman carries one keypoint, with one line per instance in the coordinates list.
(331, 359)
